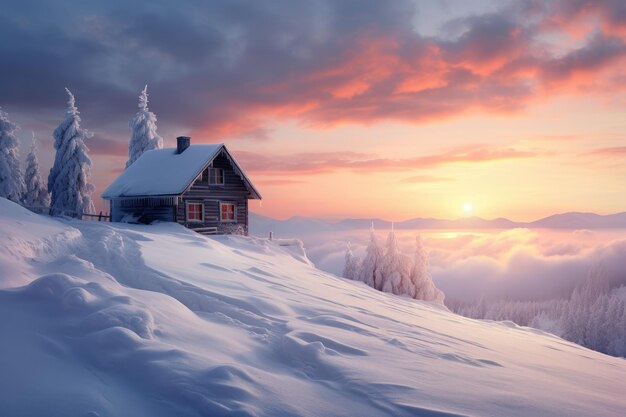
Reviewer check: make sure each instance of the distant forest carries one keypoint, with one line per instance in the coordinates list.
(593, 316)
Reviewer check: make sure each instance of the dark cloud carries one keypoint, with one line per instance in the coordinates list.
(487, 40)
(226, 68)
(597, 53)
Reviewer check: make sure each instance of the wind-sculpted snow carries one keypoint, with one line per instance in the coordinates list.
(158, 321)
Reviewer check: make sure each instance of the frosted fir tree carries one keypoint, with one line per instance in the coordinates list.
(616, 318)
(11, 178)
(68, 182)
(576, 321)
(598, 335)
(421, 279)
(404, 286)
(37, 197)
(351, 268)
(389, 274)
(373, 256)
(144, 130)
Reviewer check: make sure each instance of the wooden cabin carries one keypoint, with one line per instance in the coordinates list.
(199, 186)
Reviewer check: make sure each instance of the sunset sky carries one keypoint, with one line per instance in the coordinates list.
(392, 109)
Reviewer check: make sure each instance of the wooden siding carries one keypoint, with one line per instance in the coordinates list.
(232, 191)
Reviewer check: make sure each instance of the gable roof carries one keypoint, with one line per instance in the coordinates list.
(164, 172)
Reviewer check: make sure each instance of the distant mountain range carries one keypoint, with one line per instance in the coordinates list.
(574, 220)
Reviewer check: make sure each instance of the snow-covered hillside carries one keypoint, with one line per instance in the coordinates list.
(118, 320)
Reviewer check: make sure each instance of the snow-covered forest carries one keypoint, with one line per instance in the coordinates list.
(388, 270)
(593, 316)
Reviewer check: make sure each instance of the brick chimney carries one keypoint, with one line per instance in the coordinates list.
(182, 143)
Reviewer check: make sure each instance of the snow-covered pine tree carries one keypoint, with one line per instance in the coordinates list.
(388, 273)
(11, 178)
(576, 321)
(371, 261)
(351, 268)
(144, 130)
(598, 336)
(37, 197)
(617, 322)
(421, 279)
(405, 286)
(68, 182)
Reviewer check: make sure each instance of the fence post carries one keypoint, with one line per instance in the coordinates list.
(100, 217)
(271, 235)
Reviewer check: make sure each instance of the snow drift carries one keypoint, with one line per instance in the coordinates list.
(121, 320)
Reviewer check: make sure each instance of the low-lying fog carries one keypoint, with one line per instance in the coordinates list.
(518, 264)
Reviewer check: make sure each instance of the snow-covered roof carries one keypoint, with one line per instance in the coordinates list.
(164, 172)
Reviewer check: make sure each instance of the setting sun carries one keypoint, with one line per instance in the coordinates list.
(468, 207)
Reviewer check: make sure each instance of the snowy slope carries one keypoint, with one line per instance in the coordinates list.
(118, 320)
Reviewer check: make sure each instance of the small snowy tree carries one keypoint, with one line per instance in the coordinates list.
(37, 197)
(373, 256)
(389, 272)
(421, 279)
(351, 269)
(144, 130)
(68, 182)
(11, 179)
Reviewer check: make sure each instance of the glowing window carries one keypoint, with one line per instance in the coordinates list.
(195, 212)
(227, 211)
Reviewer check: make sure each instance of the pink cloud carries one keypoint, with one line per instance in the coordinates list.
(326, 162)
(617, 151)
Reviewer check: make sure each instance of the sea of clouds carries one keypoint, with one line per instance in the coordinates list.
(516, 264)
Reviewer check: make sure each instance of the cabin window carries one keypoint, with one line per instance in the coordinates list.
(216, 176)
(227, 212)
(195, 212)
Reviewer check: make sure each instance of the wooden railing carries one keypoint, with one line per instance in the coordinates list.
(101, 217)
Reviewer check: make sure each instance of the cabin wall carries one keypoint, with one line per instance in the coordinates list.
(233, 191)
(146, 210)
